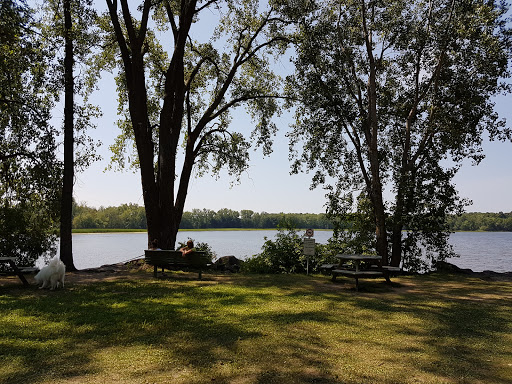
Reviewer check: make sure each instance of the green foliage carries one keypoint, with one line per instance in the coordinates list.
(29, 168)
(129, 216)
(218, 77)
(285, 254)
(85, 39)
(481, 222)
(353, 232)
(133, 216)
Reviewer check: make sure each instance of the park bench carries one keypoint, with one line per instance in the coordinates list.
(14, 269)
(175, 260)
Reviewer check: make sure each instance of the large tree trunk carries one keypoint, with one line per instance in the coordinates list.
(396, 234)
(403, 193)
(163, 215)
(380, 222)
(376, 184)
(372, 137)
(66, 241)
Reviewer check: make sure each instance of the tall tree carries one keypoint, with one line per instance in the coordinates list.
(66, 219)
(69, 25)
(397, 94)
(29, 169)
(188, 96)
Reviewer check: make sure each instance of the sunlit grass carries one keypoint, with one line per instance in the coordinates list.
(259, 329)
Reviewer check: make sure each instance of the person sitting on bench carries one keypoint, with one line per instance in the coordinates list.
(154, 245)
(189, 248)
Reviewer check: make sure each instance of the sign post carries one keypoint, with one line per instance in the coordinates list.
(309, 247)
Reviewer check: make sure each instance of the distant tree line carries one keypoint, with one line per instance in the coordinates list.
(126, 216)
(132, 216)
(476, 221)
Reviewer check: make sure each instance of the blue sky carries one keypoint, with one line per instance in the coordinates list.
(267, 185)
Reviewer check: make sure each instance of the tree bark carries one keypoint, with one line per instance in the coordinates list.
(66, 217)
(396, 234)
(372, 134)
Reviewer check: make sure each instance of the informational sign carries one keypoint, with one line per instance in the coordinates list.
(309, 247)
(310, 232)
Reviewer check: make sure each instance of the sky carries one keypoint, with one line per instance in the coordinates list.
(267, 186)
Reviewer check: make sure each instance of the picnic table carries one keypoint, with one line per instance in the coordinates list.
(15, 269)
(357, 271)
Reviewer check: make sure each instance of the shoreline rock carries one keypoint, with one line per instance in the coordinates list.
(445, 267)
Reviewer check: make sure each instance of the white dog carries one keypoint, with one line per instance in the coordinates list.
(52, 275)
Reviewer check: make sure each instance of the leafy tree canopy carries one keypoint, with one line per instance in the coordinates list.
(396, 94)
(29, 169)
(177, 91)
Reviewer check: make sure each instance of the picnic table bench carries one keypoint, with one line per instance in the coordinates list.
(15, 269)
(175, 260)
(358, 272)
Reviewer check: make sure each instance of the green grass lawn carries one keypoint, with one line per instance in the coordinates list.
(259, 329)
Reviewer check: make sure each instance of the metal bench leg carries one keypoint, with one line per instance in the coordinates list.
(357, 284)
(155, 271)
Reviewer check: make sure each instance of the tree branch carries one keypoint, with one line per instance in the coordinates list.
(208, 3)
(128, 21)
(121, 41)
(434, 83)
(144, 21)
(4, 157)
(170, 16)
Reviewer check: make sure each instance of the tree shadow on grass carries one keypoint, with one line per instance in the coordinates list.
(52, 336)
(253, 329)
(463, 324)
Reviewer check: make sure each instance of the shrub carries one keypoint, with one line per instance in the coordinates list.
(285, 254)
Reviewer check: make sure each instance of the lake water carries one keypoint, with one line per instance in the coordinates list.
(478, 251)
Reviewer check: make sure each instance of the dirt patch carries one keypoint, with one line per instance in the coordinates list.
(132, 270)
(119, 271)
(138, 269)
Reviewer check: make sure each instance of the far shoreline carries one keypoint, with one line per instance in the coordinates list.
(128, 230)
(140, 230)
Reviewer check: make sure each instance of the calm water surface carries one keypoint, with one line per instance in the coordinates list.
(478, 251)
